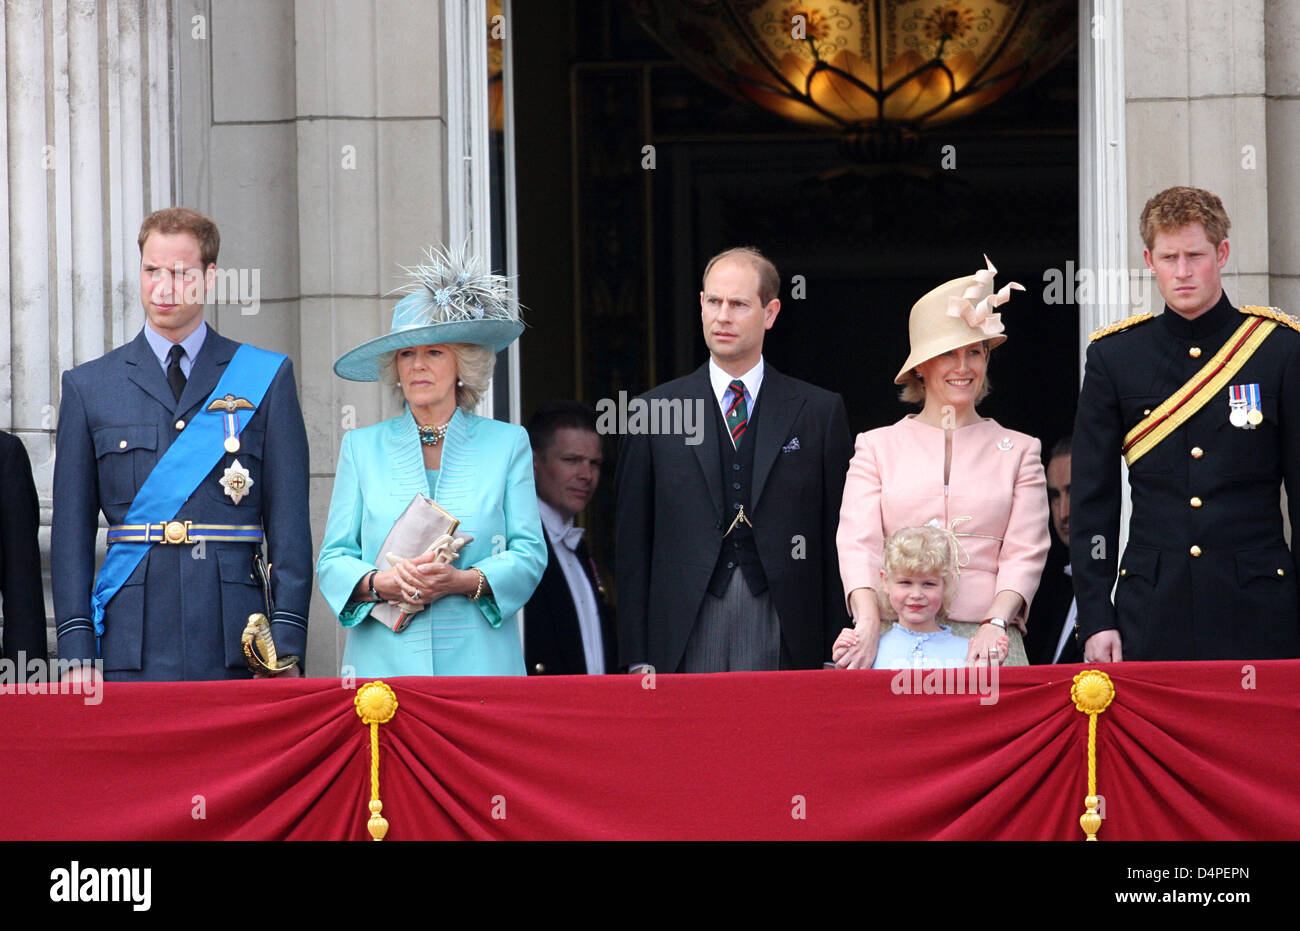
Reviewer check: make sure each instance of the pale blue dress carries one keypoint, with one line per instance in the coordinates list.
(486, 480)
(900, 648)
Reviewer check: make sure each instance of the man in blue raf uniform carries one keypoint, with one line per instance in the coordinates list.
(1203, 403)
(218, 427)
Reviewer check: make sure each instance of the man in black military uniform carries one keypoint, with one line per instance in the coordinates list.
(1203, 402)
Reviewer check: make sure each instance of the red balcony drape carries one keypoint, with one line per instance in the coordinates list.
(1186, 751)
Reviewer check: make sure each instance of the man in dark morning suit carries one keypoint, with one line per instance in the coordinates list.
(20, 558)
(725, 545)
(1052, 637)
(568, 625)
(180, 611)
(1203, 402)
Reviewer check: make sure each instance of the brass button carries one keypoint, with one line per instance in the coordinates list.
(180, 425)
(122, 445)
(1195, 550)
(1194, 352)
(1195, 502)
(1281, 572)
(1123, 572)
(539, 668)
(1197, 452)
(1147, 412)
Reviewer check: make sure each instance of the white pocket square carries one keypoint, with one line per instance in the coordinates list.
(791, 446)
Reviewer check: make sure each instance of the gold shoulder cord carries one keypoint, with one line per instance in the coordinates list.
(1120, 325)
(1272, 313)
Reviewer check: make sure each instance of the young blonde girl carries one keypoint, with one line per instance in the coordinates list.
(918, 584)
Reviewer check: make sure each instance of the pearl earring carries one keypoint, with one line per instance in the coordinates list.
(459, 383)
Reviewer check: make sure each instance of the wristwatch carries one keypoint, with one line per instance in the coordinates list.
(996, 622)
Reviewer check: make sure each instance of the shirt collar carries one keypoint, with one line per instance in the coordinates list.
(720, 380)
(1214, 319)
(162, 346)
(556, 526)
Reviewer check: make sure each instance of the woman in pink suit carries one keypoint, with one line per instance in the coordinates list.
(951, 467)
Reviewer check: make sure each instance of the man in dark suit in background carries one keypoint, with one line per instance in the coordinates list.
(568, 627)
(1051, 637)
(20, 558)
(725, 546)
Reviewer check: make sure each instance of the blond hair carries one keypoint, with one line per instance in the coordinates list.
(474, 367)
(919, 551)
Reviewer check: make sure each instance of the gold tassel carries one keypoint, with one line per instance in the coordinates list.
(1092, 694)
(376, 704)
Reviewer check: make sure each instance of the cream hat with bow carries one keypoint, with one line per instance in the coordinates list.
(955, 314)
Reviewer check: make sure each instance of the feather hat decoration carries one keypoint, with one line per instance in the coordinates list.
(451, 297)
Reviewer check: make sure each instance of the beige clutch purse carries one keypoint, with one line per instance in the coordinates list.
(414, 533)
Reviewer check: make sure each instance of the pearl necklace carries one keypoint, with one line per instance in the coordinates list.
(431, 436)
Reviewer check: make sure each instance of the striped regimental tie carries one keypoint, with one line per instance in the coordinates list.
(737, 412)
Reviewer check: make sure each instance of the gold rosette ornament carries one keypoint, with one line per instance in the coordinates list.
(376, 704)
(1092, 694)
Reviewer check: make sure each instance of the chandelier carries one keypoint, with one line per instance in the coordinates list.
(879, 71)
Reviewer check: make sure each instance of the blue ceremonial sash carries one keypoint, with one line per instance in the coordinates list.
(186, 463)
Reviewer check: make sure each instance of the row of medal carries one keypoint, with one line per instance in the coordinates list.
(1244, 410)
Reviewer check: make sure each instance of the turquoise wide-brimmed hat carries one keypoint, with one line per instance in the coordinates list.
(451, 298)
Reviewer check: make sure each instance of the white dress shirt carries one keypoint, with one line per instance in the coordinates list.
(1067, 629)
(564, 538)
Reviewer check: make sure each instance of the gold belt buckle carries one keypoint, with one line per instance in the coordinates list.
(176, 532)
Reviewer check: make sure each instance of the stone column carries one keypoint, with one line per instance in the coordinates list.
(1194, 81)
(1282, 107)
(371, 143)
(1282, 62)
(85, 153)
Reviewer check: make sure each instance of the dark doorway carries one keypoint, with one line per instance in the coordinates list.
(611, 250)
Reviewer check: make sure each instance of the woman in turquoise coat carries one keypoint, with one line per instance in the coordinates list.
(440, 352)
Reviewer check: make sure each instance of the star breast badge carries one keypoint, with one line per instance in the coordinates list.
(236, 481)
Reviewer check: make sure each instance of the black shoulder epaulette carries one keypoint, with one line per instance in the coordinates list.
(1272, 313)
(1121, 325)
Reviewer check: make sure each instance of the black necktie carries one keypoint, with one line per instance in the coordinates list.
(175, 377)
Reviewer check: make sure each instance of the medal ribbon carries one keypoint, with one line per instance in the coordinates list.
(1178, 408)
